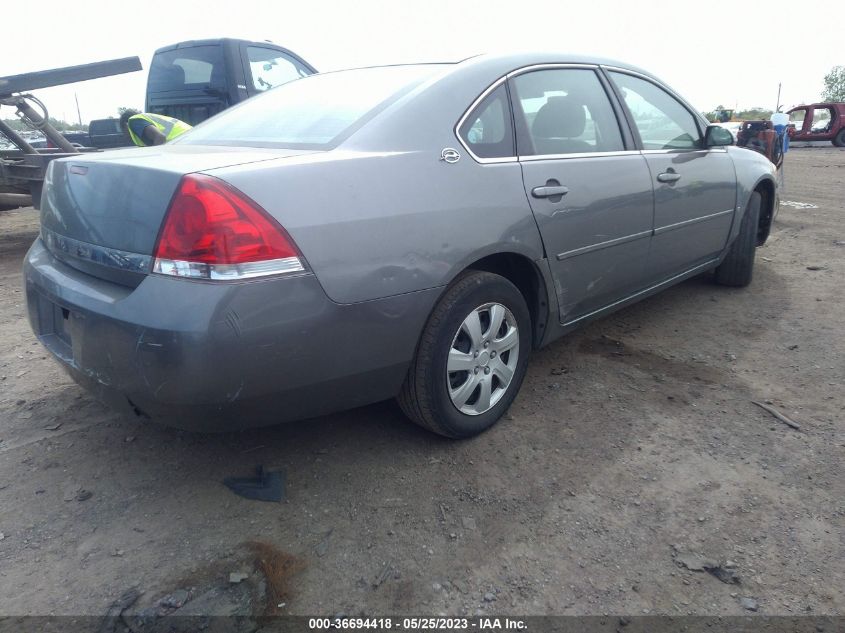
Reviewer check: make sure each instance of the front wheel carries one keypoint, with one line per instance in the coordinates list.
(738, 266)
(471, 358)
(839, 139)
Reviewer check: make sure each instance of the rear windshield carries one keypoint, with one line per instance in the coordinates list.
(186, 69)
(316, 112)
(104, 126)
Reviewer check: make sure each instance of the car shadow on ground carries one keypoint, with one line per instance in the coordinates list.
(380, 431)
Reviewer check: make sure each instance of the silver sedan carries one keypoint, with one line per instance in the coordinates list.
(408, 231)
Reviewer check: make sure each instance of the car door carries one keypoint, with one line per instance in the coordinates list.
(820, 124)
(798, 121)
(588, 187)
(694, 186)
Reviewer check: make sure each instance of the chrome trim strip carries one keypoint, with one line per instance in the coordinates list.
(531, 157)
(601, 245)
(552, 65)
(669, 281)
(688, 150)
(111, 257)
(631, 72)
(678, 225)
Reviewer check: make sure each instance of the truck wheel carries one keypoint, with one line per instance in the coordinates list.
(471, 358)
(738, 266)
(839, 139)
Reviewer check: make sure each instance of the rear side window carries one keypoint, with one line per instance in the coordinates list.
(564, 111)
(662, 121)
(822, 118)
(313, 113)
(187, 68)
(488, 131)
(269, 68)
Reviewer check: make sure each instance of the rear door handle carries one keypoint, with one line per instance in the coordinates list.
(668, 176)
(549, 191)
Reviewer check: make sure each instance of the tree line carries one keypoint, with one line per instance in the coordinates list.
(61, 126)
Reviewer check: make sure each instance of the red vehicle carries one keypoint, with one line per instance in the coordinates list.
(818, 122)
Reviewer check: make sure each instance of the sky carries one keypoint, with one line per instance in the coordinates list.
(731, 54)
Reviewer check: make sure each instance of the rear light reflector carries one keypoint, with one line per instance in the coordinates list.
(213, 231)
(227, 272)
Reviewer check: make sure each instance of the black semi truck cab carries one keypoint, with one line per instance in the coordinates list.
(195, 80)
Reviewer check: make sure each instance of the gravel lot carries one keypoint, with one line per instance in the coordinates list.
(633, 449)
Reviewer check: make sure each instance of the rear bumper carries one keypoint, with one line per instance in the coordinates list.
(220, 356)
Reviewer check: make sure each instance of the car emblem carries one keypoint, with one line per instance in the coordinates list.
(450, 155)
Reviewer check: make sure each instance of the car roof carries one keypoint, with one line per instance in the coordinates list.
(530, 58)
(499, 64)
(509, 61)
(214, 41)
(820, 104)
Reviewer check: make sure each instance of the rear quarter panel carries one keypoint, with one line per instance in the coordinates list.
(382, 214)
(376, 224)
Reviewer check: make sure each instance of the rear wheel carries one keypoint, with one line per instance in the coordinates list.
(738, 266)
(839, 139)
(471, 359)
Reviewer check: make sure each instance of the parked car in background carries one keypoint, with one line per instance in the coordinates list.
(408, 231)
(818, 122)
(195, 80)
(106, 133)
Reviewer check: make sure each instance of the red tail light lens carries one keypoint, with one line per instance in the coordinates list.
(213, 231)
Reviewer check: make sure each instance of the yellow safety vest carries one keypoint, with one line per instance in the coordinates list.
(170, 127)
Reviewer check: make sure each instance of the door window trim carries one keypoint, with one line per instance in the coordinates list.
(611, 97)
(624, 125)
(627, 126)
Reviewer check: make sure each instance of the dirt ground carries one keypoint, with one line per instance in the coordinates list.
(633, 446)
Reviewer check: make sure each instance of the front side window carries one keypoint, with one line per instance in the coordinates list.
(796, 118)
(269, 68)
(821, 120)
(662, 121)
(487, 131)
(563, 111)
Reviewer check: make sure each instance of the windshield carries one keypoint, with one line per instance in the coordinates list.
(312, 113)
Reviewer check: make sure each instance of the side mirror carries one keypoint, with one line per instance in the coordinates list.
(716, 136)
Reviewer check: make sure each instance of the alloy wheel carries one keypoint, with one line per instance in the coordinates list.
(482, 359)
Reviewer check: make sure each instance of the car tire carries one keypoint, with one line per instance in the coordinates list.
(738, 266)
(451, 340)
(839, 139)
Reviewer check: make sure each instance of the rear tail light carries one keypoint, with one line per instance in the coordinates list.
(213, 231)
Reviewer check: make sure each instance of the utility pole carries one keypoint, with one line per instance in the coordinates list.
(78, 113)
(777, 105)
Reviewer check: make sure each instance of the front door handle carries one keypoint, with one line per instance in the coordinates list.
(549, 191)
(669, 176)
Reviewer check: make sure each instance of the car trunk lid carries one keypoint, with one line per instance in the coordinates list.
(102, 213)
